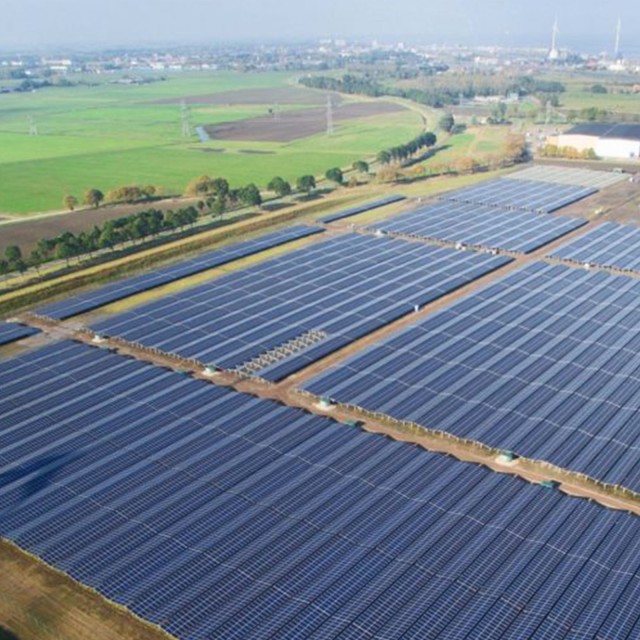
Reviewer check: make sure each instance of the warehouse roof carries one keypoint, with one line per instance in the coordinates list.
(607, 130)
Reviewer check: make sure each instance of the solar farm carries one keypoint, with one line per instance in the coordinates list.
(13, 331)
(612, 245)
(422, 427)
(480, 226)
(521, 195)
(279, 316)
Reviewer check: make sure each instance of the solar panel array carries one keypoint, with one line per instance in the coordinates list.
(520, 195)
(219, 515)
(13, 331)
(568, 175)
(608, 245)
(336, 290)
(82, 303)
(545, 362)
(346, 213)
(481, 226)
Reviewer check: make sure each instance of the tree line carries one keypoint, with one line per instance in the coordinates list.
(137, 226)
(445, 93)
(403, 152)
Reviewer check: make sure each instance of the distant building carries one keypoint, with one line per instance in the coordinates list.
(621, 141)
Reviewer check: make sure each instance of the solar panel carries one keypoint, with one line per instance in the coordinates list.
(521, 195)
(480, 226)
(612, 245)
(13, 331)
(346, 213)
(130, 286)
(277, 317)
(569, 175)
(544, 362)
(215, 514)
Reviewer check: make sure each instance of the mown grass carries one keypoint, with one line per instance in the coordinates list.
(111, 135)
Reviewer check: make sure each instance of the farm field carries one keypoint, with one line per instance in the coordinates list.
(474, 142)
(112, 134)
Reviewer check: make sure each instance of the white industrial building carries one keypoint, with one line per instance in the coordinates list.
(620, 141)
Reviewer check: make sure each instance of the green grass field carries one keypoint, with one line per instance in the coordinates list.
(110, 135)
(475, 142)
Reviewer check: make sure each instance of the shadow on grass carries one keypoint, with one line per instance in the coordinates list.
(5, 634)
(276, 206)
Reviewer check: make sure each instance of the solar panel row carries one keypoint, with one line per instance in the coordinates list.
(219, 515)
(130, 286)
(609, 245)
(481, 226)
(341, 289)
(520, 195)
(13, 331)
(346, 213)
(567, 175)
(545, 362)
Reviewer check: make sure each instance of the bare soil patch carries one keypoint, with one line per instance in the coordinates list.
(619, 202)
(26, 233)
(257, 152)
(292, 125)
(38, 602)
(272, 95)
(207, 149)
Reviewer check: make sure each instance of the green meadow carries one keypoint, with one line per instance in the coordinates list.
(111, 135)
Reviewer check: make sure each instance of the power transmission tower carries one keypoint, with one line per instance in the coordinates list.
(548, 112)
(329, 116)
(184, 116)
(33, 127)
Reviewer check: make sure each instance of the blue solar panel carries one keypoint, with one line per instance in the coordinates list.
(481, 226)
(130, 286)
(281, 315)
(346, 213)
(610, 245)
(216, 514)
(12, 331)
(544, 362)
(521, 195)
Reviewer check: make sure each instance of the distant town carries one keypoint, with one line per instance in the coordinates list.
(28, 71)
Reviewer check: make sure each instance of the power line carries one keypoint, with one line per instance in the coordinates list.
(329, 116)
(184, 116)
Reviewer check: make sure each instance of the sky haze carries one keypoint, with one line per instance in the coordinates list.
(92, 23)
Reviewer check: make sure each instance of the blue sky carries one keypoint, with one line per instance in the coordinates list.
(26, 23)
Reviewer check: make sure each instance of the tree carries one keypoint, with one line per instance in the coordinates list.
(93, 197)
(361, 166)
(218, 207)
(335, 175)
(280, 187)
(13, 253)
(108, 237)
(149, 191)
(250, 195)
(599, 88)
(36, 259)
(64, 249)
(383, 157)
(129, 193)
(200, 186)
(5, 269)
(306, 183)
(70, 202)
(447, 122)
(220, 187)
